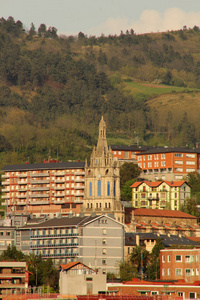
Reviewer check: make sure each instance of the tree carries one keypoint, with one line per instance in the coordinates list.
(126, 192)
(42, 30)
(32, 30)
(11, 253)
(127, 271)
(153, 271)
(128, 171)
(136, 258)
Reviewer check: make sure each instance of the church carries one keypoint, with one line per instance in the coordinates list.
(102, 180)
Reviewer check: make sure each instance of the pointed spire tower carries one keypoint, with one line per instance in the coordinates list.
(102, 180)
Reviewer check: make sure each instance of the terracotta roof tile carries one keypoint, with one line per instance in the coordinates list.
(162, 213)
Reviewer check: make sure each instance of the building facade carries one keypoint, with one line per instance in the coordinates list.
(78, 279)
(102, 180)
(43, 189)
(14, 277)
(97, 241)
(168, 163)
(160, 194)
(180, 264)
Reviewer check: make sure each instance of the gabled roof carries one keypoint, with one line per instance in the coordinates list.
(72, 264)
(157, 183)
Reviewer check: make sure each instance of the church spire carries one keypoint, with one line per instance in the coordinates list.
(102, 146)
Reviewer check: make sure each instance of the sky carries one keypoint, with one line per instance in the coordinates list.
(93, 17)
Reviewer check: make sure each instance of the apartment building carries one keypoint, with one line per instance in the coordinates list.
(97, 241)
(160, 194)
(168, 163)
(7, 237)
(14, 277)
(43, 189)
(177, 264)
(127, 153)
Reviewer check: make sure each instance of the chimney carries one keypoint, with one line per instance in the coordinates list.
(137, 240)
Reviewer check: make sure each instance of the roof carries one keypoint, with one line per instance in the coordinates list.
(169, 240)
(130, 237)
(72, 264)
(162, 213)
(157, 183)
(44, 166)
(59, 222)
(154, 150)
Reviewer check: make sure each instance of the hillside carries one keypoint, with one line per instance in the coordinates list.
(54, 89)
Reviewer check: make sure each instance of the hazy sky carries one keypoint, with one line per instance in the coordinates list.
(94, 17)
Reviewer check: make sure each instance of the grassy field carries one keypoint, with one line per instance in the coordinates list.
(153, 90)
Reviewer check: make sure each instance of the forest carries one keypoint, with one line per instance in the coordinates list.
(54, 89)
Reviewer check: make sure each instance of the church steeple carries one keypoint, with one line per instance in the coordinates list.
(102, 146)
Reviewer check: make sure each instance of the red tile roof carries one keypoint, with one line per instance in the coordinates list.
(157, 183)
(162, 213)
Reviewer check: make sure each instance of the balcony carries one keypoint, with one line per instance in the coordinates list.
(5, 176)
(5, 196)
(37, 202)
(60, 174)
(59, 201)
(22, 196)
(22, 189)
(80, 173)
(59, 195)
(22, 175)
(79, 194)
(59, 188)
(6, 190)
(40, 174)
(79, 180)
(39, 188)
(39, 181)
(22, 182)
(60, 180)
(7, 182)
(79, 187)
(39, 195)
(22, 202)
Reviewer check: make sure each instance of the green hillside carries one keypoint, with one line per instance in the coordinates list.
(53, 91)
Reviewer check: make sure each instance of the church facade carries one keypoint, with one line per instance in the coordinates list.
(102, 180)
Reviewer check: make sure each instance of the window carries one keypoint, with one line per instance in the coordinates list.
(178, 258)
(149, 157)
(104, 251)
(104, 231)
(187, 272)
(178, 162)
(154, 293)
(108, 188)
(103, 261)
(192, 295)
(197, 272)
(190, 170)
(168, 258)
(187, 258)
(197, 257)
(163, 258)
(104, 242)
(149, 164)
(126, 154)
(190, 162)
(180, 294)
(178, 155)
(178, 272)
(190, 155)
(99, 188)
(168, 272)
(178, 169)
(90, 189)
(163, 272)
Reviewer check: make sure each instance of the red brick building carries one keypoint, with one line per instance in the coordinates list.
(180, 264)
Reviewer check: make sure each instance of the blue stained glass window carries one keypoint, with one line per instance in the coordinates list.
(90, 188)
(99, 188)
(108, 188)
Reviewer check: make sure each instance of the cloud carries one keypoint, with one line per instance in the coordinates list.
(149, 21)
